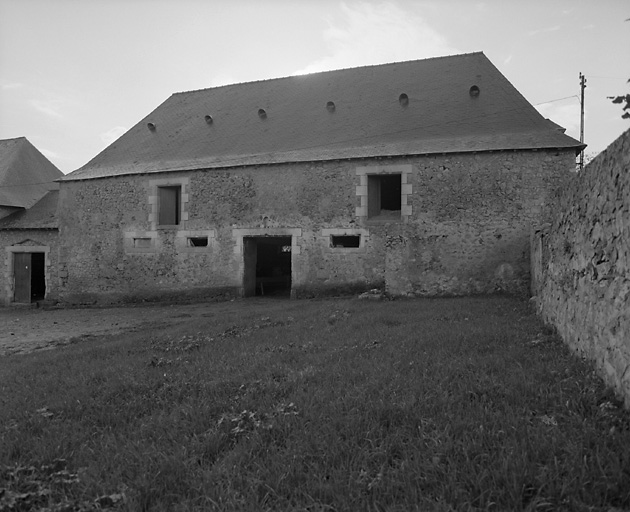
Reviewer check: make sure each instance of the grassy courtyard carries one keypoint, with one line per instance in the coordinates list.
(428, 405)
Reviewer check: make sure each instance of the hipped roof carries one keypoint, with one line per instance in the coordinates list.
(25, 174)
(221, 127)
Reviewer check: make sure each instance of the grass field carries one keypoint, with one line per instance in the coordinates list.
(429, 405)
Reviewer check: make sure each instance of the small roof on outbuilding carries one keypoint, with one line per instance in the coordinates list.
(460, 103)
(42, 215)
(25, 174)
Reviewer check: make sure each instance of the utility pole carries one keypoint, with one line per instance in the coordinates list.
(582, 87)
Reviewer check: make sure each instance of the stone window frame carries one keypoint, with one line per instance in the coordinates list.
(182, 245)
(326, 234)
(404, 170)
(154, 201)
(9, 270)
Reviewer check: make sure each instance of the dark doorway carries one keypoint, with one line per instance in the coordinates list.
(29, 271)
(38, 276)
(267, 269)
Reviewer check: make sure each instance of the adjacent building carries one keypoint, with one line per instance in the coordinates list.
(28, 222)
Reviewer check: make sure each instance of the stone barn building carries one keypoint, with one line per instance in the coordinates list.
(421, 177)
(28, 223)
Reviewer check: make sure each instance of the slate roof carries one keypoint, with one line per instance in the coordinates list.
(42, 215)
(368, 119)
(25, 174)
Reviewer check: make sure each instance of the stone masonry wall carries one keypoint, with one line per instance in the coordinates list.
(468, 230)
(581, 264)
(464, 229)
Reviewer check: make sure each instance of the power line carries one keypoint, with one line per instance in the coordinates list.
(608, 77)
(558, 99)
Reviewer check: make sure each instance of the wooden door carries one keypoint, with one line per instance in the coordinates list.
(168, 206)
(22, 276)
(250, 257)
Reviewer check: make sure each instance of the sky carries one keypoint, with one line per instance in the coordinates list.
(77, 74)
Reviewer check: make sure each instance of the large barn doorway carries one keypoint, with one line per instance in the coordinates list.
(29, 272)
(267, 266)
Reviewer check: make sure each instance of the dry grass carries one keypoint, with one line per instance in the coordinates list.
(444, 404)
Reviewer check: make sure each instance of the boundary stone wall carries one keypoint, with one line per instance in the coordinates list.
(581, 265)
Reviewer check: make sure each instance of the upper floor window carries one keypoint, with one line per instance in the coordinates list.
(384, 193)
(168, 200)
(169, 205)
(384, 196)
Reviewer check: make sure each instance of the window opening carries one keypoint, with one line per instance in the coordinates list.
(384, 196)
(347, 241)
(169, 206)
(142, 243)
(198, 241)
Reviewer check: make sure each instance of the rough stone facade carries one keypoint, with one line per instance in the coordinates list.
(581, 264)
(463, 227)
(29, 241)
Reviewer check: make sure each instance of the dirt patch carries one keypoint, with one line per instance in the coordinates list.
(26, 329)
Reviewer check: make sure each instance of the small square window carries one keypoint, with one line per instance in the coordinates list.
(345, 241)
(384, 196)
(198, 241)
(169, 205)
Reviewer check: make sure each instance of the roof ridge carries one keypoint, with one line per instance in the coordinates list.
(13, 138)
(262, 80)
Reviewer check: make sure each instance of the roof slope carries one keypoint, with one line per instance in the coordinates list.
(368, 119)
(25, 174)
(42, 215)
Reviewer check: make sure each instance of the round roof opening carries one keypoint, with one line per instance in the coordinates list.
(262, 114)
(330, 106)
(403, 99)
(474, 91)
